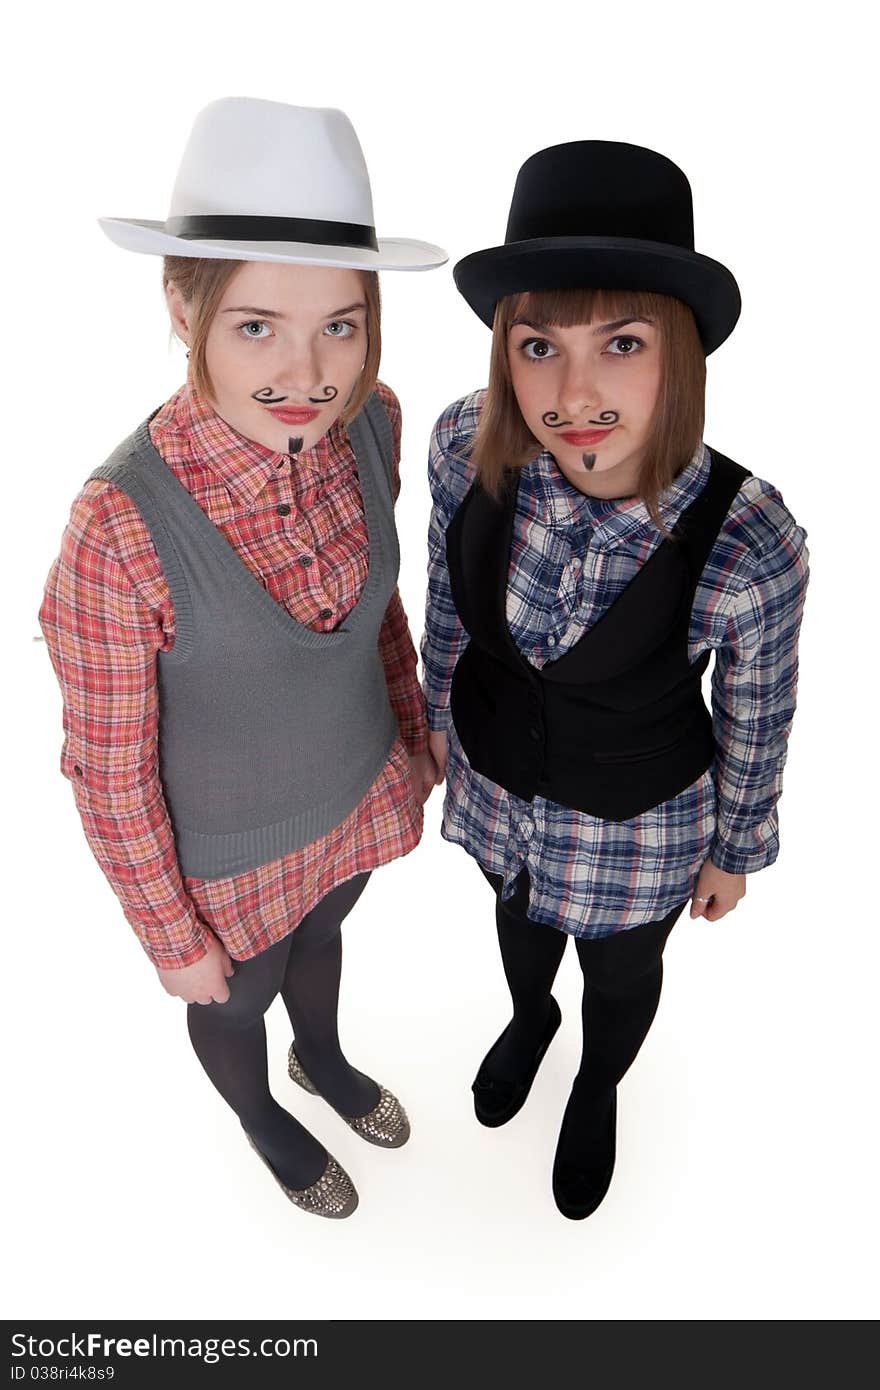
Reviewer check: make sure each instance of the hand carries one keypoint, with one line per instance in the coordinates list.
(437, 745)
(423, 775)
(722, 890)
(205, 980)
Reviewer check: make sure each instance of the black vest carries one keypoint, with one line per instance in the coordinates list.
(618, 723)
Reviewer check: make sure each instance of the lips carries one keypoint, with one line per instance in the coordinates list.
(292, 415)
(581, 438)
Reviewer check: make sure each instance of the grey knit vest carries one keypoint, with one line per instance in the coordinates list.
(269, 733)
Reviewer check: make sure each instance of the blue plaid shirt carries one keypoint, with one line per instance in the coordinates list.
(571, 557)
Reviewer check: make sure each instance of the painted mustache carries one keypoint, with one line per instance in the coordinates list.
(553, 422)
(266, 397)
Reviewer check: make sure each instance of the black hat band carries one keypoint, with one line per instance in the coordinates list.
(307, 229)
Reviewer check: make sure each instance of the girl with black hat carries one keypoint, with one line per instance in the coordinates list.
(245, 732)
(588, 553)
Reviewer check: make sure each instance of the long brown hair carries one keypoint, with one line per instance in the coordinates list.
(202, 283)
(504, 440)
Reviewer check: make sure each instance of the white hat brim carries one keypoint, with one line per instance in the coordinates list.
(394, 253)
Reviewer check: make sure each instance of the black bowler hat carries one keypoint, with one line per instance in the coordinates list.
(595, 214)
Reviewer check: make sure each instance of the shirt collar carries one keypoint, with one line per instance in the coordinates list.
(615, 520)
(243, 465)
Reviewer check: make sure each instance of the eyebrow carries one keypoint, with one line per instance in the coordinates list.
(602, 328)
(274, 313)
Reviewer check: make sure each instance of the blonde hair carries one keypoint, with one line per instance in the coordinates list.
(503, 439)
(202, 283)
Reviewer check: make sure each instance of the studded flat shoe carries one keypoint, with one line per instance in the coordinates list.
(496, 1102)
(385, 1125)
(333, 1194)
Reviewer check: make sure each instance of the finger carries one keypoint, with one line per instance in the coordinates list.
(221, 994)
(716, 910)
(698, 909)
(228, 968)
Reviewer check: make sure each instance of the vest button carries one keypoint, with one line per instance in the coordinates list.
(283, 509)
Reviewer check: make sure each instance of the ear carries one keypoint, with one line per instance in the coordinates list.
(179, 311)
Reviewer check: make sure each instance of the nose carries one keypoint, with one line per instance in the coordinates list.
(579, 393)
(299, 374)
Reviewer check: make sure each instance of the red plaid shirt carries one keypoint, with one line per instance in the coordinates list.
(299, 526)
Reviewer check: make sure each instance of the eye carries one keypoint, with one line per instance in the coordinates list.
(537, 349)
(245, 328)
(627, 345)
(339, 329)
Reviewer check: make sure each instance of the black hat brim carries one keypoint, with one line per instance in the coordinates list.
(612, 263)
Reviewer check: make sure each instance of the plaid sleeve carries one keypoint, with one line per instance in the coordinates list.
(449, 477)
(395, 641)
(754, 687)
(103, 640)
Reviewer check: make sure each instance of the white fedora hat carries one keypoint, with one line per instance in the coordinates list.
(264, 181)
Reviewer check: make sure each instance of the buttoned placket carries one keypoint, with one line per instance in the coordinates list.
(290, 524)
(570, 601)
(566, 511)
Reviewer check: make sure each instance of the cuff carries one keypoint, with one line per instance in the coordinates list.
(738, 861)
(163, 959)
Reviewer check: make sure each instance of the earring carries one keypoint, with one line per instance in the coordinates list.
(187, 354)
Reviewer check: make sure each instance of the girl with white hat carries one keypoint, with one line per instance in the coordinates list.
(588, 552)
(244, 730)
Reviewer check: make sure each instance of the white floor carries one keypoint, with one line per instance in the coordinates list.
(744, 1171)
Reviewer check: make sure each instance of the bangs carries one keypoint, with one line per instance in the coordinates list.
(566, 308)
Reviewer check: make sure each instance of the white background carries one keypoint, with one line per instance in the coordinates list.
(747, 1170)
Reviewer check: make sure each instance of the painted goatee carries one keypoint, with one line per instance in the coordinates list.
(588, 460)
(294, 443)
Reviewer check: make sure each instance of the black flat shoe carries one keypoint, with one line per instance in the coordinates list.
(579, 1189)
(496, 1102)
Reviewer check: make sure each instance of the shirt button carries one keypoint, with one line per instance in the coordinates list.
(326, 613)
(551, 641)
(283, 509)
(77, 770)
(575, 564)
(304, 559)
(535, 734)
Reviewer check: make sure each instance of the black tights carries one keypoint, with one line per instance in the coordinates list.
(230, 1039)
(623, 975)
